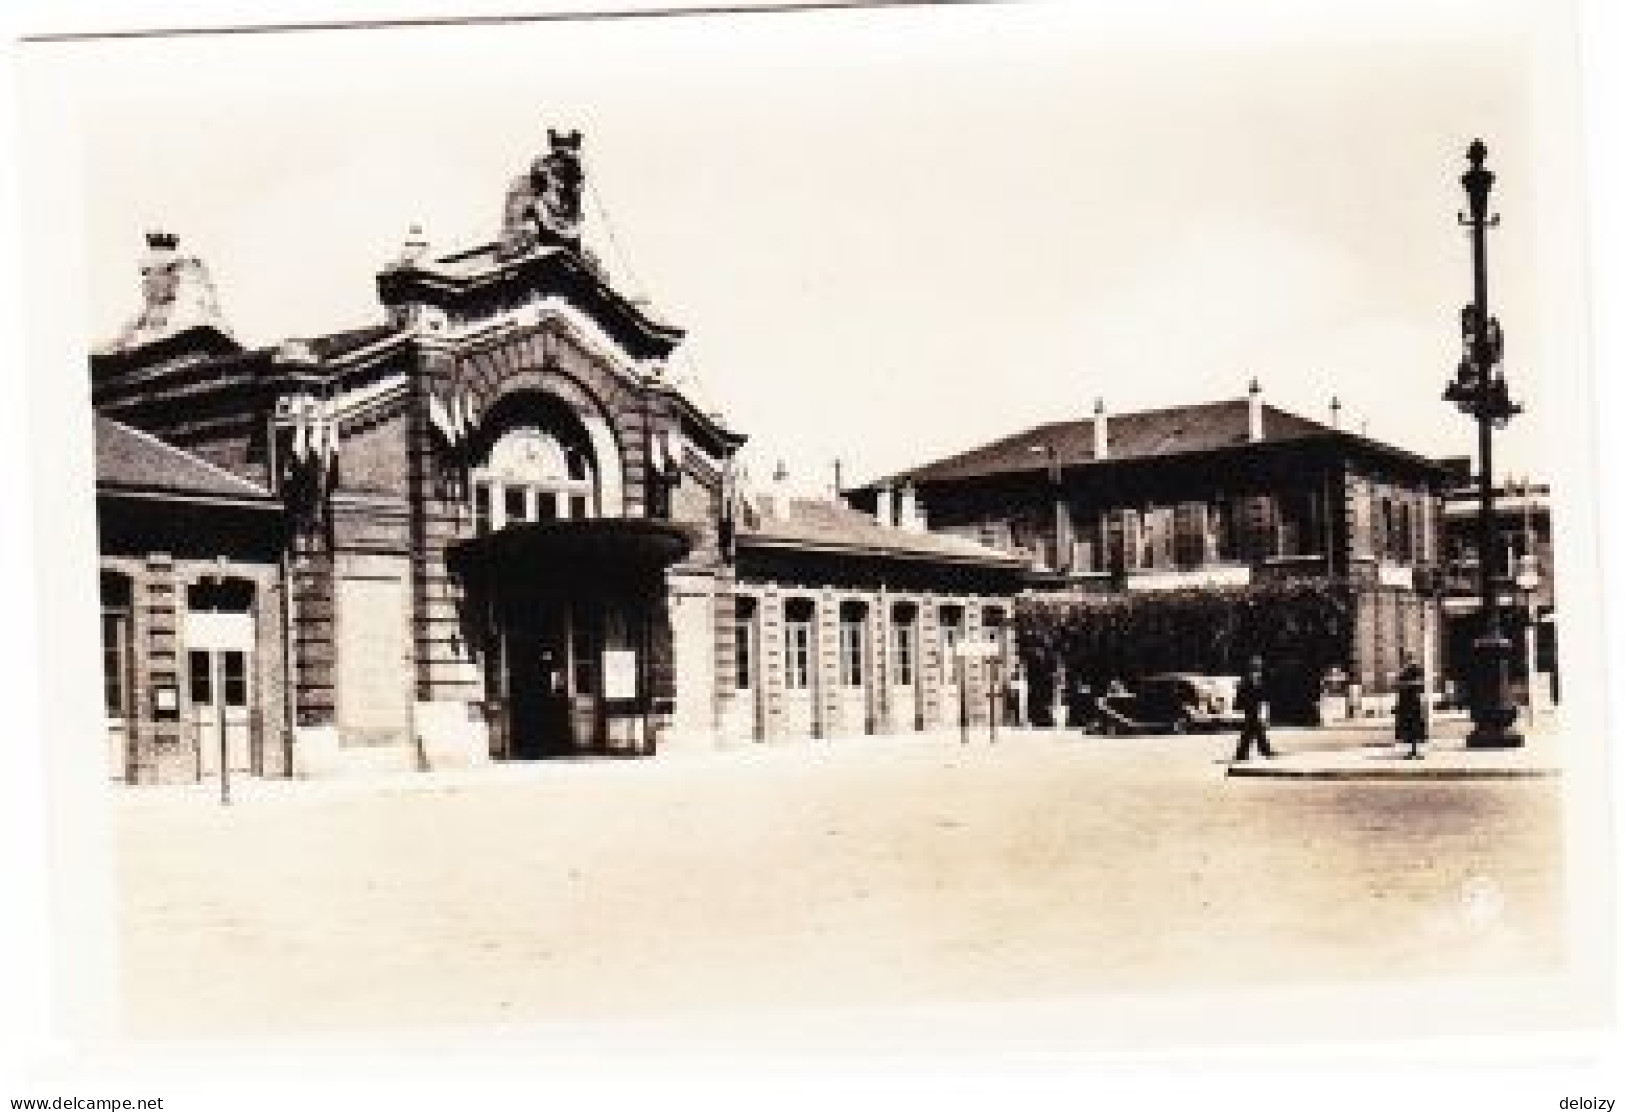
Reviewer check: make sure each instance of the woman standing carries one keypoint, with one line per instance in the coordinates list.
(1410, 719)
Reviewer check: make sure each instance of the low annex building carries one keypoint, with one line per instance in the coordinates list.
(488, 526)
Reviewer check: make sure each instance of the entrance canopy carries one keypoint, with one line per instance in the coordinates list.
(591, 548)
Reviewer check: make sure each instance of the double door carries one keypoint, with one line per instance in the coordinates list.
(223, 723)
(553, 651)
(538, 658)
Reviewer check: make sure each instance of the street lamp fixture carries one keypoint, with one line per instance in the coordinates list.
(1480, 391)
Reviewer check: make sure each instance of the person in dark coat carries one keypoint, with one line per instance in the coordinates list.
(1250, 701)
(1410, 718)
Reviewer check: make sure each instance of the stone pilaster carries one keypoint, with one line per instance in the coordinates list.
(313, 631)
(168, 751)
(770, 624)
(826, 665)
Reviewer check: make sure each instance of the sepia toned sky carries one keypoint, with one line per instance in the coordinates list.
(891, 234)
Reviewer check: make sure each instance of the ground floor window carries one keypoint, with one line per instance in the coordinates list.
(201, 671)
(234, 678)
(744, 643)
(798, 641)
(116, 640)
(993, 626)
(952, 619)
(115, 662)
(854, 617)
(902, 645)
(852, 654)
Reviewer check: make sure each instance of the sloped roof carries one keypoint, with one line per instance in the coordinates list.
(130, 460)
(1150, 433)
(334, 345)
(819, 524)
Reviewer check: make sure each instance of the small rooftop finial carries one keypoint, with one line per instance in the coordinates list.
(1100, 405)
(162, 241)
(416, 245)
(1253, 387)
(780, 472)
(1476, 153)
(1337, 412)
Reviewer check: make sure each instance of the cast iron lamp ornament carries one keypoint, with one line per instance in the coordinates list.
(1480, 391)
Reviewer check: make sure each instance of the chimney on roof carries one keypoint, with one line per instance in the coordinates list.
(777, 502)
(1098, 425)
(1337, 413)
(910, 514)
(884, 513)
(416, 245)
(1255, 412)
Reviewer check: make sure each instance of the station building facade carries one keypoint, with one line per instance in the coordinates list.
(487, 526)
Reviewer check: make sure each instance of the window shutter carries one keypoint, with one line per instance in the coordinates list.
(1190, 534)
(1257, 515)
(1360, 527)
(1132, 540)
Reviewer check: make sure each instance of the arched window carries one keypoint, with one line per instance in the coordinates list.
(904, 642)
(532, 474)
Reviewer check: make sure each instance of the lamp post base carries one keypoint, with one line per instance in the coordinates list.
(1494, 715)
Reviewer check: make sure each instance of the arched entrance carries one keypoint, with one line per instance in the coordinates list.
(579, 632)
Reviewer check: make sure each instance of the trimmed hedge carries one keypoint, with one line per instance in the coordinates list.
(1300, 627)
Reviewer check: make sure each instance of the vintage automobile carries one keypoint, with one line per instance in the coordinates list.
(1176, 703)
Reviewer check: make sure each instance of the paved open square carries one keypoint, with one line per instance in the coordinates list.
(874, 871)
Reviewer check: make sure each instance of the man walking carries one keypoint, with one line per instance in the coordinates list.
(1250, 701)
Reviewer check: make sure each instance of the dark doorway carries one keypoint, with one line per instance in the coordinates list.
(539, 684)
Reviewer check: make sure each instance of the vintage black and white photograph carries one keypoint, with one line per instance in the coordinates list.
(725, 520)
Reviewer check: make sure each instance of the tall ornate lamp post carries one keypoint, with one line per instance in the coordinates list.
(1480, 390)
